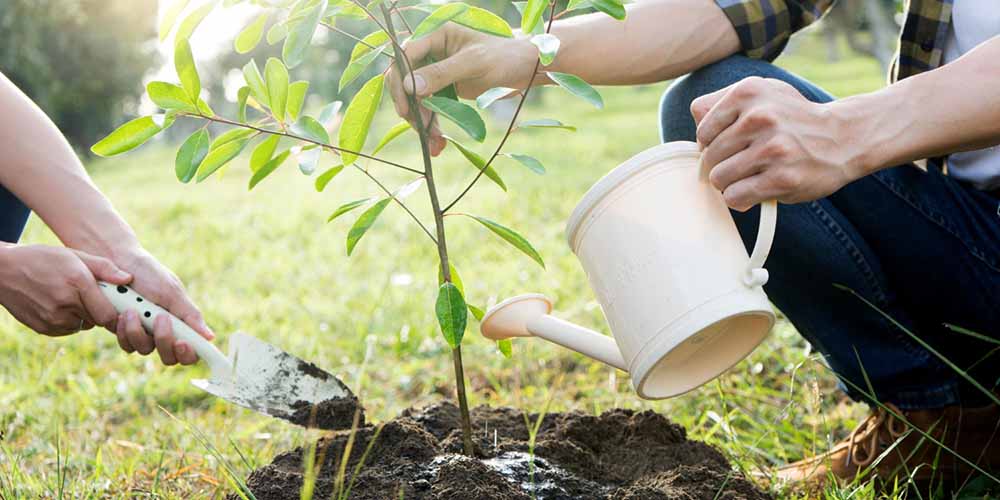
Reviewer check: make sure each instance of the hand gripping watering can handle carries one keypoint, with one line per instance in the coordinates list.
(125, 298)
(755, 275)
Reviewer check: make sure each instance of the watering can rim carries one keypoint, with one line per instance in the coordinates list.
(620, 174)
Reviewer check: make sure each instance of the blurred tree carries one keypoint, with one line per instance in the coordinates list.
(869, 27)
(82, 61)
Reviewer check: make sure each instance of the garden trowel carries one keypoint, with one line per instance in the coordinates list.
(255, 375)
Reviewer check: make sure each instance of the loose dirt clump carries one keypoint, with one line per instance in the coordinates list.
(621, 454)
(332, 414)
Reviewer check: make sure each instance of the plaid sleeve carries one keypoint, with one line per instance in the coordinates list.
(764, 26)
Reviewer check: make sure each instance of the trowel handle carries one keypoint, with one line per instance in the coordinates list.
(125, 298)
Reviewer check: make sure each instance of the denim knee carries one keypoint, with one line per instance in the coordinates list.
(676, 123)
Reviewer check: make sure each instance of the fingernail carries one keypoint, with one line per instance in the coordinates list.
(122, 274)
(181, 348)
(418, 81)
(207, 330)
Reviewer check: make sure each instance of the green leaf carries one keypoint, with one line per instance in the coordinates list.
(190, 155)
(204, 108)
(478, 162)
(548, 46)
(506, 347)
(438, 18)
(277, 33)
(169, 96)
(234, 134)
(510, 236)
(391, 135)
(373, 39)
(357, 66)
(191, 22)
(530, 162)
(347, 207)
(242, 96)
(127, 137)
(358, 118)
(251, 73)
(251, 35)
(364, 223)
(329, 113)
(546, 123)
(308, 158)
(276, 75)
(170, 15)
(266, 169)
(296, 98)
(263, 152)
(492, 95)
(186, 69)
(452, 314)
(476, 312)
(461, 114)
(297, 41)
(346, 9)
(219, 156)
(309, 128)
(532, 14)
(576, 86)
(455, 278)
(323, 179)
(613, 8)
(484, 21)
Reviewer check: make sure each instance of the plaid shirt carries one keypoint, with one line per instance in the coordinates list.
(764, 27)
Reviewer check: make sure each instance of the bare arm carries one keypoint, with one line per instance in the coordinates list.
(659, 40)
(763, 140)
(950, 109)
(40, 168)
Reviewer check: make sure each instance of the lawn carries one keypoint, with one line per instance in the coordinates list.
(80, 419)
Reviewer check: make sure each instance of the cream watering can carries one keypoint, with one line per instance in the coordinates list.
(682, 297)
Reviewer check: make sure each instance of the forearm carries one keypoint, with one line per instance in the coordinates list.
(950, 109)
(657, 41)
(42, 170)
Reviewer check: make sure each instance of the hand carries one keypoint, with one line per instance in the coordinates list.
(53, 290)
(158, 284)
(763, 140)
(475, 62)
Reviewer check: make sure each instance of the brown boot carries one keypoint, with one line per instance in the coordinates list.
(885, 447)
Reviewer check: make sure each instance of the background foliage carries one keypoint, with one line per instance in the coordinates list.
(82, 61)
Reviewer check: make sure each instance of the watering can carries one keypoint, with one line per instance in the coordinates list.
(683, 299)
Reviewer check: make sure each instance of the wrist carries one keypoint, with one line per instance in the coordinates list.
(525, 54)
(857, 135)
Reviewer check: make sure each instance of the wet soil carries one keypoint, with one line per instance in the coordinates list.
(332, 414)
(620, 454)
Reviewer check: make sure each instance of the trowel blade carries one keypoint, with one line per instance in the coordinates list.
(268, 380)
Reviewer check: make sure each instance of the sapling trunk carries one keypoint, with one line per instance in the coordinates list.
(403, 67)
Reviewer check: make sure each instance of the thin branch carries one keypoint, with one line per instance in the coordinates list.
(513, 119)
(355, 38)
(399, 14)
(324, 145)
(397, 200)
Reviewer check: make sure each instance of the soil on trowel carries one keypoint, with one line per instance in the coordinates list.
(621, 454)
(331, 414)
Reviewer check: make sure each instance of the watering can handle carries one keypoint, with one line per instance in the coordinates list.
(755, 275)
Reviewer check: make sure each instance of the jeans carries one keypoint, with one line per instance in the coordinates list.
(13, 216)
(922, 247)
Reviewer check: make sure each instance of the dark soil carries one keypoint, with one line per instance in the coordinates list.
(332, 414)
(621, 454)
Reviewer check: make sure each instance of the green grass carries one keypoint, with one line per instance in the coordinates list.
(78, 416)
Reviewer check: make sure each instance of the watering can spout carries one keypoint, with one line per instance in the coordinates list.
(528, 316)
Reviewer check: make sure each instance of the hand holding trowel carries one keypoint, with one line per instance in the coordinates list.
(255, 375)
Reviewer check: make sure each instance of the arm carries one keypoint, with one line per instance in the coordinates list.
(659, 40)
(41, 169)
(764, 141)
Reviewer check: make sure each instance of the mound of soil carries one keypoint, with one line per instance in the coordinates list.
(621, 454)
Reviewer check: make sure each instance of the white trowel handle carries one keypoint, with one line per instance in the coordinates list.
(125, 298)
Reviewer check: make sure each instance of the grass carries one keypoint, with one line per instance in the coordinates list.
(80, 419)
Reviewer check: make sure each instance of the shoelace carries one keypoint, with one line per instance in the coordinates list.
(863, 442)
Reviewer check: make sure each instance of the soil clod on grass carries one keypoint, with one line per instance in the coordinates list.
(621, 454)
